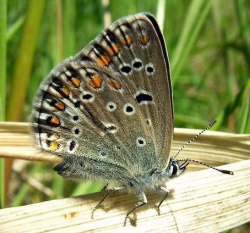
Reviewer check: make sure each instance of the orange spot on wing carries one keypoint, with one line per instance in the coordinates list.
(76, 82)
(54, 121)
(59, 106)
(104, 61)
(96, 82)
(53, 146)
(64, 92)
(144, 39)
(127, 41)
(114, 84)
(114, 50)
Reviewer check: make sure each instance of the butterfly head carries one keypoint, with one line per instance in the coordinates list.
(175, 168)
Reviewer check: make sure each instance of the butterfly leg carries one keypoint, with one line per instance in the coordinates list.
(142, 200)
(105, 187)
(166, 192)
(103, 199)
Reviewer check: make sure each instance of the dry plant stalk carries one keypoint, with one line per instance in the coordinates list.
(199, 201)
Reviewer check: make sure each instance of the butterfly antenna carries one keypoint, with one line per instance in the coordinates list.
(196, 161)
(204, 164)
(194, 138)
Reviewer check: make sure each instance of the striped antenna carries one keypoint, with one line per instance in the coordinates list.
(196, 161)
(204, 164)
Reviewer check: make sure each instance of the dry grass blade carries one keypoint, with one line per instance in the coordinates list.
(200, 201)
(16, 143)
(224, 148)
(203, 201)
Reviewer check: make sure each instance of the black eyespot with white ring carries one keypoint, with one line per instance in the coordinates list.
(137, 64)
(72, 146)
(125, 68)
(150, 69)
(129, 109)
(140, 141)
(143, 97)
(75, 118)
(111, 106)
(110, 128)
(149, 122)
(76, 131)
(88, 97)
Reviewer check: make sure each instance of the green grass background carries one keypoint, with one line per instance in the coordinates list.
(208, 44)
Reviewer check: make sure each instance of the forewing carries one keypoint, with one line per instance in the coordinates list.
(108, 111)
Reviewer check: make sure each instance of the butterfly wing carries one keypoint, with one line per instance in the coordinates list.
(108, 111)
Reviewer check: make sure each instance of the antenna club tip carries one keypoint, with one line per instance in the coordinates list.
(227, 172)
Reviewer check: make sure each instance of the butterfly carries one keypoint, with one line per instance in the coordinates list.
(108, 111)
